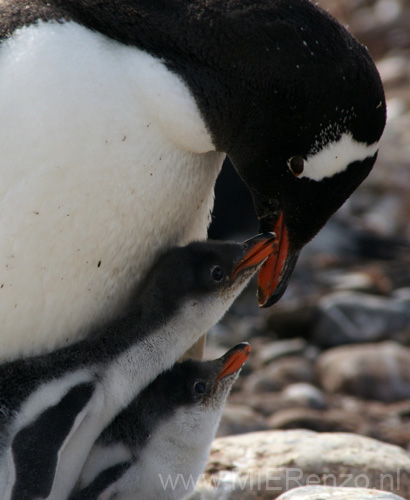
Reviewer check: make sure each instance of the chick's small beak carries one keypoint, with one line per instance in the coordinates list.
(233, 360)
(274, 275)
(257, 250)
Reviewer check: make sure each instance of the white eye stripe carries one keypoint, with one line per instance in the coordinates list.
(336, 157)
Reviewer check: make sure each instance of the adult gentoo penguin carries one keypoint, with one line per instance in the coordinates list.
(54, 406)
(116, 116)
(158, 446)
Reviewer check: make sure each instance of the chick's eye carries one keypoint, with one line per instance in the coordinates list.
(296, 165)
(217, 273)
(200, 387)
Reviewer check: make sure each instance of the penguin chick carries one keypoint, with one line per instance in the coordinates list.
(158, 446)
(53, 407)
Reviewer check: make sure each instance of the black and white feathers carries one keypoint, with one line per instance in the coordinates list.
(115, 119)
(157, 448)
(53, 407)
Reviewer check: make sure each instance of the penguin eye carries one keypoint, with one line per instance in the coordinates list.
(200, 387)
(296, 165)
(217, 273)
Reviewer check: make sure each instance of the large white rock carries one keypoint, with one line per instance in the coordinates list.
(263, 465)
(330, 493)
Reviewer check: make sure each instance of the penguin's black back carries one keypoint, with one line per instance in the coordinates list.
(235, 48)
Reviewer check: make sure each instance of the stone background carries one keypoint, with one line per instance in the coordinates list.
(333, 356)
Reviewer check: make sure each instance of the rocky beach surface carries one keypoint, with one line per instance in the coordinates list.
(322, 407)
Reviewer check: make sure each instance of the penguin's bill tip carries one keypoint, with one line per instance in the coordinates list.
(275, 272)
(257, 250)
(234, 360)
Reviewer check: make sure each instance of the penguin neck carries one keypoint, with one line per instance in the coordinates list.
(150, 346)
(179, 445)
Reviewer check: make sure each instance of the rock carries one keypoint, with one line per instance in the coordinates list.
(369, 279)
(263, 465)
(234, 329)
(403, 295)
(371, 371)
(387, 422)
(238, 419)
(330, 493)
(302, 394)
(385, 211)
(299, 395)
(357, 280)
(279, 374)
(264, 403)
(275, 350)
(397, 108)
(394, 70)
(348, 317)
(315, 420)
(292, 318)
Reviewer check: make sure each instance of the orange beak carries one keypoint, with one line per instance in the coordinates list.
(258, 249)
(233, 360)
(273, 276)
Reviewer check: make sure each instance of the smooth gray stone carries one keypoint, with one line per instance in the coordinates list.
(352, 317)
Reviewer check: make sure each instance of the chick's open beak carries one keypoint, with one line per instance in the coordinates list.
(233, 360)
(257, 250)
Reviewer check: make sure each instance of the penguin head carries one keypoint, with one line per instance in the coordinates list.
(284, 90)
(200, 281)
(318, 153)
(195, 392)
(204, 383)
(298, 106)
